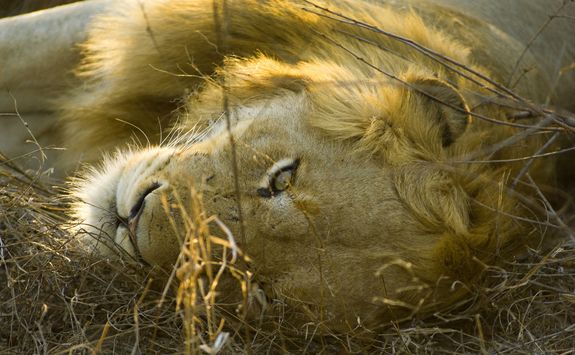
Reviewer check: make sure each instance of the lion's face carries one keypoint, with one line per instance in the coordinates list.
(325, 223)
(303, 197)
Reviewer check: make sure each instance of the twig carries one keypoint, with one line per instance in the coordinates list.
(527, 165)
(533, 38)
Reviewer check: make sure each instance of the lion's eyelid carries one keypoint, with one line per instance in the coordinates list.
(279, 177)
(138, 206)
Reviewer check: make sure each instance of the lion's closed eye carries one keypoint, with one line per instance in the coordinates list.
(278, 178)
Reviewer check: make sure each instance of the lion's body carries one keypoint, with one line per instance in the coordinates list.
(527, 23)
(375, 134)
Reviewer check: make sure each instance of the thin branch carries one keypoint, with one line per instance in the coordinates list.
(527, 165)
(512, 160)
(534, 37)
(42, 154)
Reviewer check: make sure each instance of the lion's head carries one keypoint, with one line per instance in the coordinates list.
(353, 193)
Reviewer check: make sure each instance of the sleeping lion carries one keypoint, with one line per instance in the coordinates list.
(371, 158)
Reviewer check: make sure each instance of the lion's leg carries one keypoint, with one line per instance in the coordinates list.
(37, 56)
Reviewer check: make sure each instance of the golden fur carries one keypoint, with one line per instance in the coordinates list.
(383, 212)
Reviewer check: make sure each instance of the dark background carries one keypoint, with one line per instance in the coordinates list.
(15, 7)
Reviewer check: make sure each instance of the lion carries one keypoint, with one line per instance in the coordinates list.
(369, 157)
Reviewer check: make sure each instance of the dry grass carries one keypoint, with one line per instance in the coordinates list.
(54, 298)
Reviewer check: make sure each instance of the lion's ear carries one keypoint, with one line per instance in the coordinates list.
(444, 104)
